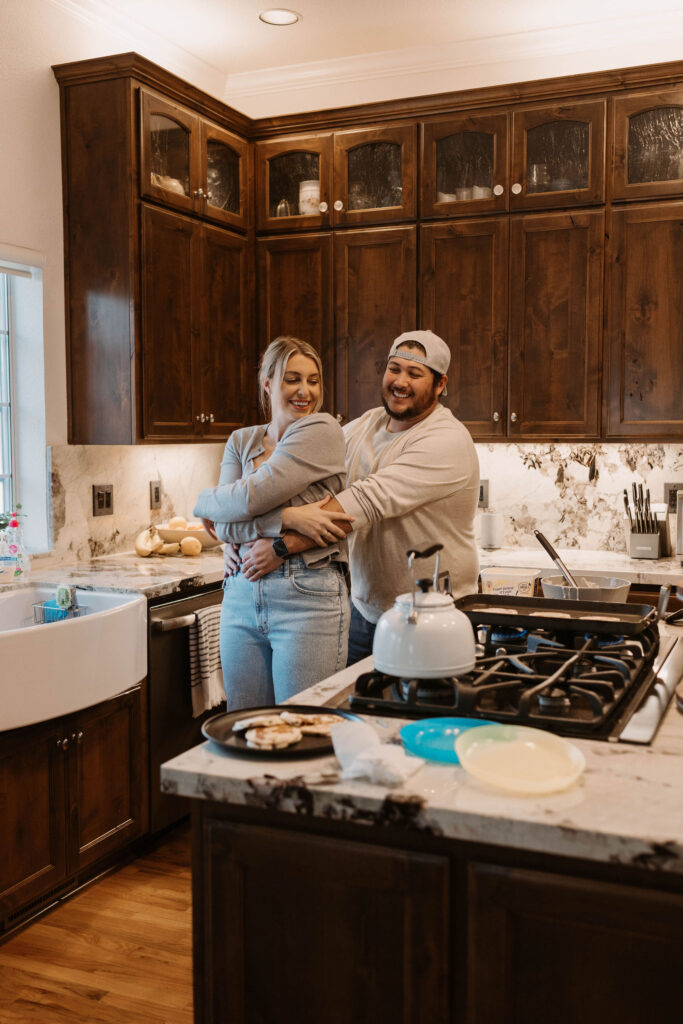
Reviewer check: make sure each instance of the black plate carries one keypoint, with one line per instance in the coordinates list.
(572, 616)
(218, 729)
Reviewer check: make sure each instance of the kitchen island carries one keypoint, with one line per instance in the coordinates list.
(438, 900)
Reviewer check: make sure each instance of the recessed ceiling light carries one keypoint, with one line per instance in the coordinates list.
(279, 16)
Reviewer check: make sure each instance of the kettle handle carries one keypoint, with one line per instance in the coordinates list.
(427, 553)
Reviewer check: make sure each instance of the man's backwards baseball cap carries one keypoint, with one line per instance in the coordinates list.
(437, 353)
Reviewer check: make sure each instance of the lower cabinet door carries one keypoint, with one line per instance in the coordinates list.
(300, 928)
(32, 814)
(544, 947)
(107, 783)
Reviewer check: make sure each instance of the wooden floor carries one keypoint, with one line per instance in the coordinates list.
(120, 952)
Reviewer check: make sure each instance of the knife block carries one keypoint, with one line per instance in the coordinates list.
(645, 545)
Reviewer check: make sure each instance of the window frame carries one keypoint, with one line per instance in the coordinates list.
(8, 473)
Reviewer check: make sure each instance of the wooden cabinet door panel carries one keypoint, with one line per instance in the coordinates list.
(169, 325)
(373, 147)
(564, 158)
(648, 144)
(556, 265)
(227, 373)
(107, 782)
(349, 932)
(300, 153)
(608, 952)
(295, 295)
(169, 159)
(463, 299)
(464, 151)
(375, 301)
(226, 202)
(32, 813)
(644, 323)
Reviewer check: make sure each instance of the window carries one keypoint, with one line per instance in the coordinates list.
(6, 445)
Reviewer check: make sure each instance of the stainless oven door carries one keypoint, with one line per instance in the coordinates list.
(172, 729)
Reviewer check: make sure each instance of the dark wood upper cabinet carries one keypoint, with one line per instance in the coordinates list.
(558, 156)
(464, 166)
(375, 172)
(648, 144)
(556, 269)
(644, 322)
(464, 299)
(295, 295)
(375, 300)
(293, 183)
(192, 165)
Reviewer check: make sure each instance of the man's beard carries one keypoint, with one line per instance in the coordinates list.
(417, 407)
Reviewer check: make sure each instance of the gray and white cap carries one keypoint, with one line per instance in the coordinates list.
(437, 353)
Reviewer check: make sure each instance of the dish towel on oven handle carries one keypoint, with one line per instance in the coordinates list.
(206, 677)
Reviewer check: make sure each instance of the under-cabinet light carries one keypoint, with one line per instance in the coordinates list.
(279, 16)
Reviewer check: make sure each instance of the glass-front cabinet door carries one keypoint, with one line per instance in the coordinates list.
(374, 175)
(648, 145)
(169, 163)
(294, 183)
(225, 175)
(558, 156)
(464, 166)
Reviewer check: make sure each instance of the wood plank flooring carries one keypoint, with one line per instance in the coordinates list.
(120, 952)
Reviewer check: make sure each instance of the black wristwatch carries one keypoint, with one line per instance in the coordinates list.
(280, 548)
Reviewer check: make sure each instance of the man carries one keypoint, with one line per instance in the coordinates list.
(412, 480)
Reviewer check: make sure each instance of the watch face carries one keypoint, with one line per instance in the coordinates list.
(280, 548)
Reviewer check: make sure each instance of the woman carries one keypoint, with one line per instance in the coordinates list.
(287, 630)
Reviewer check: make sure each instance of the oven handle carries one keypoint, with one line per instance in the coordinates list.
(160, 625)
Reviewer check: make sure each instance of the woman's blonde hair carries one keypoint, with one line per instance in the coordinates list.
(274, 363)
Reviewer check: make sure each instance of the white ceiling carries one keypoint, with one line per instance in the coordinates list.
(228, 36)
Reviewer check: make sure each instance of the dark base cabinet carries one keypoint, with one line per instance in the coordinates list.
(73, 793)
(311, 921)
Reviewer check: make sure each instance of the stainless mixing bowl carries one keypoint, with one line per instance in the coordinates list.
(591, 588)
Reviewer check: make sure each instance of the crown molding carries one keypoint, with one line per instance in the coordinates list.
(413, 69)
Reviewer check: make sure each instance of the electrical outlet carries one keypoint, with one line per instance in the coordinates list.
(670, 495)
(155, 494)
(102, 499)
(483, 494)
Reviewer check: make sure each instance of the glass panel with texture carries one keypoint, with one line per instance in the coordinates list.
(223, 176)
(558, 158)
(293, 183)
(655, 145)
(170, 148)
(464, 167)
(375, 176)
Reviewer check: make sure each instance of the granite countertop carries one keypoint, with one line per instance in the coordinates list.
(154, 576)
(656, 571)
(627, 807)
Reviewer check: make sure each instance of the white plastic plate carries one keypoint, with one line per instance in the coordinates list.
(519, 759)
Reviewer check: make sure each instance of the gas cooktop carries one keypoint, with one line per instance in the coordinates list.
(581, 669)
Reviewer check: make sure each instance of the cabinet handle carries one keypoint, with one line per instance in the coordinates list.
(516, 188)
(496, 417)
(79, 736)
(207, 196)
(338, 205)
(210, 417)
(513, 417)
(198, 193)
(498, 190)
(63, 744)
(323, 207)
(200, 416)
(339, 418)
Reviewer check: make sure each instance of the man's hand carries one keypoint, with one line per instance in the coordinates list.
(231, 559)
(260, 559)
(208, 526)
(319, 521)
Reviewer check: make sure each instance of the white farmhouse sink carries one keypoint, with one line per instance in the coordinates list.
(59, 667)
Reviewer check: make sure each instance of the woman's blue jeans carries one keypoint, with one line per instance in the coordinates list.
(282, 633)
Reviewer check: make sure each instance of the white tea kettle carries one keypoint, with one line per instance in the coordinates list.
(424, 636)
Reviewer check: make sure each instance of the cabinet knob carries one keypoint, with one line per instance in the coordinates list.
(513, 417)
(498, 190)
(207, 196)
(210, 417)
(201, 417)
(338, 205)
(323, 207)
(339, 418)
(516, 188)
(79, 736)
(198, 193)
(496, 417)
(63, 744)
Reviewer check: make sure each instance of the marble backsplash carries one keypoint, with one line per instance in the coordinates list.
(573, 493)
(184, 469)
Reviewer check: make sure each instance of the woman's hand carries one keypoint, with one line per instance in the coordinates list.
(231, 559)
(316, 522)
(260, 559)
(208, 526)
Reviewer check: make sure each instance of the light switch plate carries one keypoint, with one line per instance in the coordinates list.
(155, 494)
(103, 499)
(483, 494)
(670, 495)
